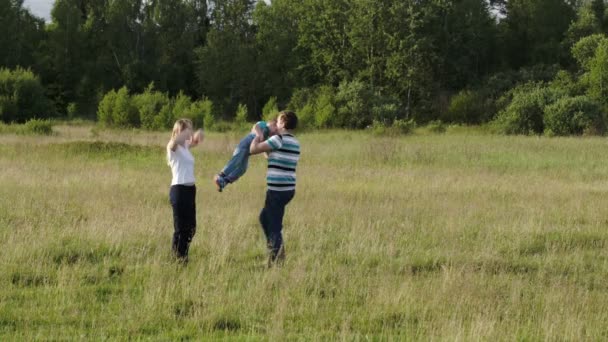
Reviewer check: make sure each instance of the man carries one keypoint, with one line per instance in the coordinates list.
(283, 153)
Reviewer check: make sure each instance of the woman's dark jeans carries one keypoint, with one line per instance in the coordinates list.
(183, 201)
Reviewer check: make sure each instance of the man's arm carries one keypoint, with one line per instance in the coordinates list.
(258, 145)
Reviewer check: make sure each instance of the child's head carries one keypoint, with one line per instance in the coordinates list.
(272, 127)
(179, 126)
(287, 120)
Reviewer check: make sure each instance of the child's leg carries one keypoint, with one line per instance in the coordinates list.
(239, 170)
(240, 152)
(237, 165)
(232, 171)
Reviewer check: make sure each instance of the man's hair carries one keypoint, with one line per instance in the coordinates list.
(289, 118)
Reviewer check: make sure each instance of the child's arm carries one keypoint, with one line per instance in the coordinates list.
(257, 130)
(180, 139)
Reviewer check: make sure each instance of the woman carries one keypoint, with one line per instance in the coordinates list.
(183, 191)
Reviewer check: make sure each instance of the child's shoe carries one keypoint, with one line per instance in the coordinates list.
(220, 182)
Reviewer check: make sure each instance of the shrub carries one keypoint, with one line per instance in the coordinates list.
(597, 77)
(124, 113)
(306, 116)
(270, 109)
(378, 127)
(353, 103)
(165, 118)
(182, 109)
(106, 108)
(574, 115)
(302, 101)
(241, 115)
(22, 96)
(38, 126)
(465, 107)
(8, 108)
(385, 108)
(584, 50)
(72, 110)
(403, 126)
(524, 115)
(398, 127)
(204, 108)
(436, 126)
(300, 98)
(222, 126)
(149, 105)
(324, 107)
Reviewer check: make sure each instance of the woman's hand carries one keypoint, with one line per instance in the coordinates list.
(197, 137)
(181, 139)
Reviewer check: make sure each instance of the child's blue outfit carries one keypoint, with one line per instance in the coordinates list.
(237, 165)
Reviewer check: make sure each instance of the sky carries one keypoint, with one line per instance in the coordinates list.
(40, 8)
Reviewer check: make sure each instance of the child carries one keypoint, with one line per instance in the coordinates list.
(182, 193)
(237, 165)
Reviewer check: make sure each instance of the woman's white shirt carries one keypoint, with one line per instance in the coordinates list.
(182, 165)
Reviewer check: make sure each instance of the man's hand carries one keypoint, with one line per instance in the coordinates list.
(258, 145)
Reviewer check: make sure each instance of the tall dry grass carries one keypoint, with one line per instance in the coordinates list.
(427, 237)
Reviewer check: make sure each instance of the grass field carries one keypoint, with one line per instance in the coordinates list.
(459, 236)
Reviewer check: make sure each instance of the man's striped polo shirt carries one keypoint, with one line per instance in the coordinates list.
(282, 162)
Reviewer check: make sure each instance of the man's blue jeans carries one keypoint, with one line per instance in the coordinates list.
(237, 165)
(271, 218)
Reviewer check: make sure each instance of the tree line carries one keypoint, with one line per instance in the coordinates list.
(339, 63)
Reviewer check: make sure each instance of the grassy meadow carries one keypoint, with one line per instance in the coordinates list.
(457, 236)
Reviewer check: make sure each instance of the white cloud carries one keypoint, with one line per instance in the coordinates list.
(40, 8)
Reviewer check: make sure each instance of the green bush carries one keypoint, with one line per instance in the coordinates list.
(574, 115)
(524, 115)
(404, 126)
(38, 126)
(398, 127)
(8, 108)
(436, 126)
(165, 119)
(306, 116)
(30, 127)
(182, 109)
(22, 96)
(270, 109)
(118, 110)
(300, 98)
(241, 115)
(353, 102)
(204, 108)
(324, 107)
(149, 105)
(597, 77)
(584, 50)
(466, 107)
(106, 108)
(124, 113)
(384, 108)
(72, 110)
